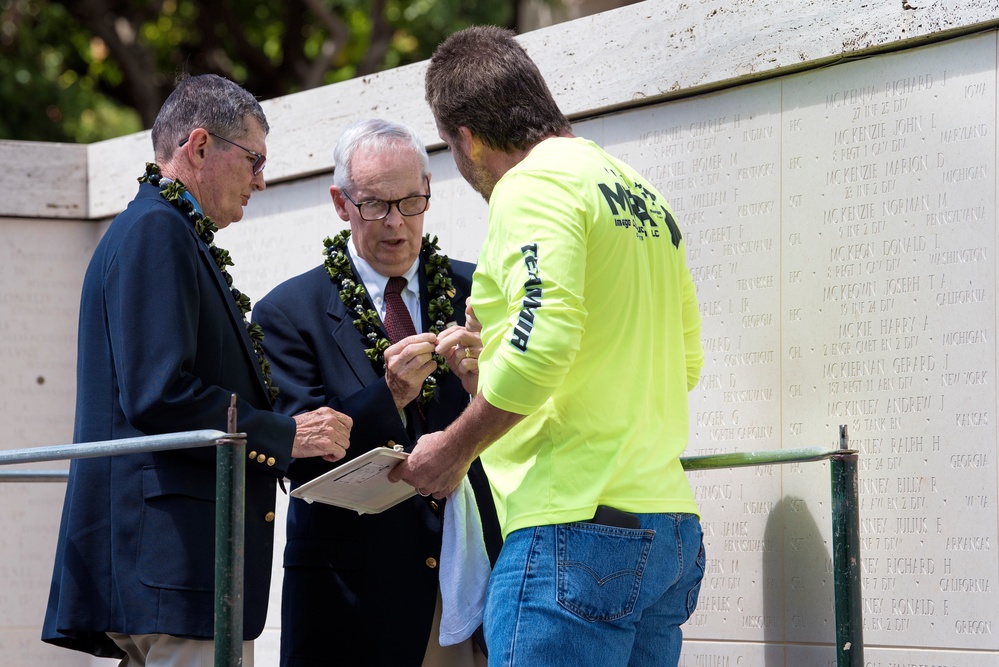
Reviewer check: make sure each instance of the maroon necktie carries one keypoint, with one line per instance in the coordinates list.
(398, 322)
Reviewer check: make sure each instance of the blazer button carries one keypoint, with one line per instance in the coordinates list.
(253, 455)
(271, 461)
(261, 458)
(434, 506)
(269, 517)
(431, 562)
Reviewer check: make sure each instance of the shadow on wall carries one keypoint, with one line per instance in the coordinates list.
(801, 604)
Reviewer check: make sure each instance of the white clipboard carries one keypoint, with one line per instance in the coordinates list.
(361, 484)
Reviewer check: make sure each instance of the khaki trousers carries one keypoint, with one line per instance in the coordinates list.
(170, 651)
(465, 654)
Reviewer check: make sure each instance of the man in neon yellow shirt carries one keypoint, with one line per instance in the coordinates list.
(590, 343)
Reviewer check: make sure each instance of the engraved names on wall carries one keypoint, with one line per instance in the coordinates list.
(840, 232)
(889, 311)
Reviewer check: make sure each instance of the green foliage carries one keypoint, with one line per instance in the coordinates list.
(87, 70)
(49, 78)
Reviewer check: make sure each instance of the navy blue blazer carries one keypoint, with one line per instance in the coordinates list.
(358, 590)
(162, 347)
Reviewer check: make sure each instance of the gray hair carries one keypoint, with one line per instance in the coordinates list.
(208, 101)
(376, 134)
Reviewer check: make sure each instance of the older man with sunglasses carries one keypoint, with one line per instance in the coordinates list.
(164, 344)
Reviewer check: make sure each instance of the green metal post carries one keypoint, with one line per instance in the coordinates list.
(229, 490)
(846, 556)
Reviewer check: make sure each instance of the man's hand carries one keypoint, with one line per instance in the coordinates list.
(323, 432)
(461, 348)
(407, 364)
(434, 468)
(439, 460)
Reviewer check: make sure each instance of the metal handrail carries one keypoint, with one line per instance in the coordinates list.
(34, 475)
(147, 443)
(746, 459)
(845, 520)
(229, 486)
(845, 529)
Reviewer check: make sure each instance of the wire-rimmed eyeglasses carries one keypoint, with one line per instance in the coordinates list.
(376, 209)
(258, 164)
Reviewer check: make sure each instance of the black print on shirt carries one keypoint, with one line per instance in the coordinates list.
(639, 206)
(532, 299)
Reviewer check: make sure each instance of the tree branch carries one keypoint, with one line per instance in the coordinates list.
(381, 38)
(311, 75)
(120, 34)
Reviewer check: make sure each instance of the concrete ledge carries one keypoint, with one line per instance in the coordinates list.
(43, 180)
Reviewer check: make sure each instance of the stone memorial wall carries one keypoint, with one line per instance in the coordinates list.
(840, 223)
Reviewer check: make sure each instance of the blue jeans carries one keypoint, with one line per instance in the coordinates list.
(579, 594)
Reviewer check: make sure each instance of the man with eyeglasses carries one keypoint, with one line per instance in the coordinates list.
(164, 344)
(259, 159)
(358, 334)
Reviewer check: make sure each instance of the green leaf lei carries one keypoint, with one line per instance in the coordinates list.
(439, 287)
(203, 225)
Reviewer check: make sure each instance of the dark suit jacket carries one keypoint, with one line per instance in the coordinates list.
(162, 347)
(358, 590)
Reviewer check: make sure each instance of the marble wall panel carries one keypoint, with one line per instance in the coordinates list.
(888, 245)
(41, 268)
(839, 226)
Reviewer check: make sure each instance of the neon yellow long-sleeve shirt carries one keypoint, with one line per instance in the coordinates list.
(591, 329)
